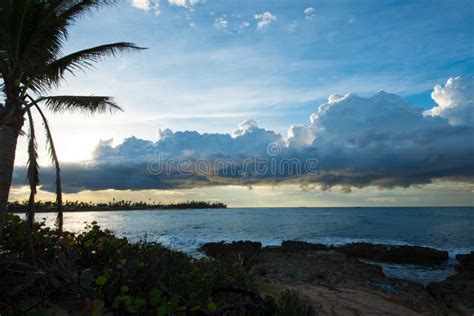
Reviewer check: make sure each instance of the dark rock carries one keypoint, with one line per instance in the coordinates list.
(336, 270)
(303, 263)
(395, 254)
(221, 249)
(457, 291)
(328, 267)
(466, 263)
(295, 246)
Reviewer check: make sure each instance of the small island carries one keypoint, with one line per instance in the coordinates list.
(120, 205)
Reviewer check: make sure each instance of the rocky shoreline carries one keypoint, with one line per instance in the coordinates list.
(340, 281)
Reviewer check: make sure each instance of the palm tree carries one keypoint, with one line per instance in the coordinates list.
(32, 34)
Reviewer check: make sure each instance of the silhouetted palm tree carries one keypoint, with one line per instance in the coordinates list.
(32, 34)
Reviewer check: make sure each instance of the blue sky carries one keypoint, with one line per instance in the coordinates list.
(211, 64)
(280, 73)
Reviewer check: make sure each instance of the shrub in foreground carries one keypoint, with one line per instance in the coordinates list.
(97, 273)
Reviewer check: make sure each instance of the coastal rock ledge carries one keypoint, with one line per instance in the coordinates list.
(458, 290)
(395, 254)
(336, 282)
(373, 252)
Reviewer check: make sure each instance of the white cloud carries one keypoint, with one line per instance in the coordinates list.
(455, 101)
(264, 20)
(380, 141)
(147, 5)
(309, 13)
(300, 136)
(247, 126)
(141, 4)
(244, 25)
(292, 26)
(184, 3)
(221, 23)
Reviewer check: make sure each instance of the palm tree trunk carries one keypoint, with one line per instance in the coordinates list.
(8, 141)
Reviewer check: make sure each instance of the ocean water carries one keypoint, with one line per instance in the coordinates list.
(446, 228)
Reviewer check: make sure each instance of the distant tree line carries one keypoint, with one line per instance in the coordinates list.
(76, 206)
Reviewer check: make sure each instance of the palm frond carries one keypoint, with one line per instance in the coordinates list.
(33, 167)
(33, 173)
(55, 161)
(85, 104)
(32, 34)
(54, 71)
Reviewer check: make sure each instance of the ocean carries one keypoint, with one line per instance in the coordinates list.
(446, 228)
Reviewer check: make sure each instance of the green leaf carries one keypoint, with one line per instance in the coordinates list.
(101, 280)
(86, 273)
(138, 302)
(154, 297)
(162, 311)
(97, 306)
(88, 243)
(117, 301)
(132, 309)
(124, 289)
(211, 306)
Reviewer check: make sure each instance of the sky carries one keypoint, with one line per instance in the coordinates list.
(303, 76)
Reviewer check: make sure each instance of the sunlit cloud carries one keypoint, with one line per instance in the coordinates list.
(184, 3)
(455, 101)
(221, 23)
(147, 5)
(309, 13)
(264, 20)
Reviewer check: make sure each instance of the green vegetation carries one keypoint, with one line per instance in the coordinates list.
(76, 206)
(96, 272)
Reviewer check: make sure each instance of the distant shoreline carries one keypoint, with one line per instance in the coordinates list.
(76, 207)
(177, 208)
(118, 210)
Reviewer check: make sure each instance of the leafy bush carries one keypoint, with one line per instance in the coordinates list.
(99, 273)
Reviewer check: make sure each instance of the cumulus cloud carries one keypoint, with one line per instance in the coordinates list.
(264, 20)
(147, 5)
(221, 23)
(184, 3)
(455, 101)
(351, 141)
(309, 13)
(300, 136)
(244, 25)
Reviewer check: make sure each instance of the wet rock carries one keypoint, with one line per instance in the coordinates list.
(395, 254)
(222, 250)
(295, 246)
(466, 263)
(457, 291)
(326, 267)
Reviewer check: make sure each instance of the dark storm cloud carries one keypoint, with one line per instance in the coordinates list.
(351, 142)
